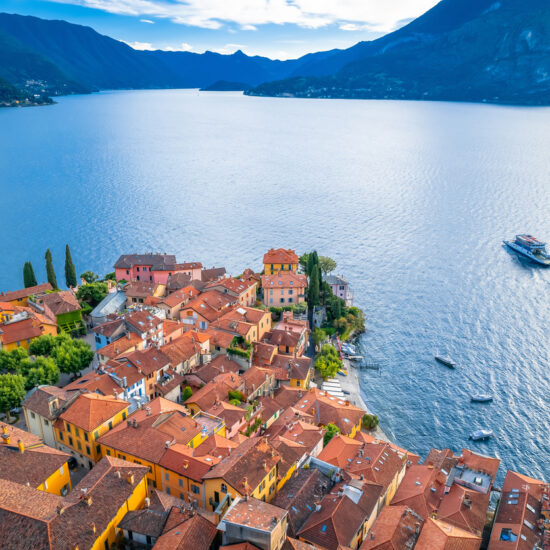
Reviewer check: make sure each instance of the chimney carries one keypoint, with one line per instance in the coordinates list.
(5, 435)
(88, 499)
(21, 446)
(60, 509)
(245, 481)
(147, 502)
(94, 529)
(130, 479)
(134, 423)
(124, 382)
(148, 411)
(117, 474)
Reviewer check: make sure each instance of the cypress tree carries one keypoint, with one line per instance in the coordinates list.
(29, 278)
(70, 272)
(313, 292)
(49, 269)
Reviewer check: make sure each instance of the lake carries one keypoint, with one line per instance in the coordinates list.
(411, 199)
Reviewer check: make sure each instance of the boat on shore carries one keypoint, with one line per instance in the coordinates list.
(481, 398)
(481, 435)
(447, 361)
(531, 248)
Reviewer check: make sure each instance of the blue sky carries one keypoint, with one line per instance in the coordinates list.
(280, 29)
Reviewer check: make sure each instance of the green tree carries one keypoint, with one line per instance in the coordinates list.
(302, 262)
(319, 335)
(187, 393)
(370, 421)
(89, 277)
(43, 345)
(110, 276)
(29, 278)
(11, 361)
(327, 265)
(12, 392)
(70, 271)
(72, 356)
(313, 289)
(92, 293)
(331, 431)
(236, 394)
(49, 269)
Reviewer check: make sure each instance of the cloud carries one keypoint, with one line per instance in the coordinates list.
(249, 28)
(147, 21)
(379, 15)
(141, 45)
(183, 47)
(228, 49)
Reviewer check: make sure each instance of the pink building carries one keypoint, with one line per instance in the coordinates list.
(283, 289)
(340, 287)
(156, 268)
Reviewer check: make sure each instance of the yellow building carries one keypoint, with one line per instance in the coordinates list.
(143, 439)
(86, 518)
(21, 297)
(91, 415)
(22, 327)
(24, 459)
(251, 470)
(279, 259)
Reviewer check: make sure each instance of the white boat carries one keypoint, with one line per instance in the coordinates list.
(481, 398)
(481, 435)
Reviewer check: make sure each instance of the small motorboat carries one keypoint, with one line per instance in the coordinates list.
(531, 248)
(447, 361)
(481, 398)
(481, 435)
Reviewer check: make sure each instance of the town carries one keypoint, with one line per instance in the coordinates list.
(173, 406)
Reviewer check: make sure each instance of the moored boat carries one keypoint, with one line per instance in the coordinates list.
(481, 398)
(481, 435)
(447, 361)
(531, 248)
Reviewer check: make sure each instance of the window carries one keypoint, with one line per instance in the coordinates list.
(195, 489)
(79, 445)
(68, 426)
(166, 476)
(110, 424)
(180, 481)
(224, 488)
(168, 490)
(33, 415)
(96, 434)
(61, 470)
(137, 269)
(127, 272)
(46, 422)
(124, 415)
(290, 300)
(298, 383)
(282, 300)
(108, 452)
(98, 449)
(203, 324)
(88, 450)
(61, 436)
(77, 432)
(85, 436)
(291, 291)
(71, 441)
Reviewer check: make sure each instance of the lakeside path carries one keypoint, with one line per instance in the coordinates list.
(351, 384)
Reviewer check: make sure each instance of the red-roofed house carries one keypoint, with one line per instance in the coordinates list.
(284, 288)
(280, 259)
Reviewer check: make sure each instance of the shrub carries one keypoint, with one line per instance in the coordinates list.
(370, 421)
(331, 431)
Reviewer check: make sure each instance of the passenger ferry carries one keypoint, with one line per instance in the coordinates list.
(531, 248)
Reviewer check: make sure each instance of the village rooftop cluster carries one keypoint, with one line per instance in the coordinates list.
(200, 426)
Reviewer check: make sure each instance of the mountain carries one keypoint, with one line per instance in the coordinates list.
(460, 50)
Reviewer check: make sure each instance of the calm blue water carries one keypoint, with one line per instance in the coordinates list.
(411, 199)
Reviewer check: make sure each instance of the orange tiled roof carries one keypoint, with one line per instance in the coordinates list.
(61, 302)
(17, 331)
(120, 346)
(90, 410)
(237, 286)
(439, 535)
(280, 256)
(25, 292)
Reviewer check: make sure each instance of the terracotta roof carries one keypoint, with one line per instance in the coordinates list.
(294, 544)
(237, 286)
(180, 296)
(182, 460)
(182, 348)
(220, 363)
(90, 410)
(159, 262)
(241, 468)
(142, 320)
(254, 514)
(25, 292)
(216, 445)
(263, 353)
(219, 338)
(17, 331)
(295, 367)
(254, 377)
(189, 265)
(212, 274)
(215, 390)
(340, 517)
(421, 489)
(280, 256)
(330, 409)
(284, 279)
(239, 546)
(36, 464)
(237, 328)
(146, 522)
(147, 437)
(282, 338)
(120, 346)
(375, 461)
(140, 289)
(439, 535)
(61, 302)
(306, 434)
(464, 508)
(211, 304)
(195, 532)
(288, 396)
(474, 461)
(103, 381)
(299, 495)
(395, 529)
(46, 401)
(231, 414)
(148, 361)
(109, 328)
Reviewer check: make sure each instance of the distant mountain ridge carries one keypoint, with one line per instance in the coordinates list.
(460, 50)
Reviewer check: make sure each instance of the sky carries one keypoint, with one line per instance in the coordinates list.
(280, 29)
